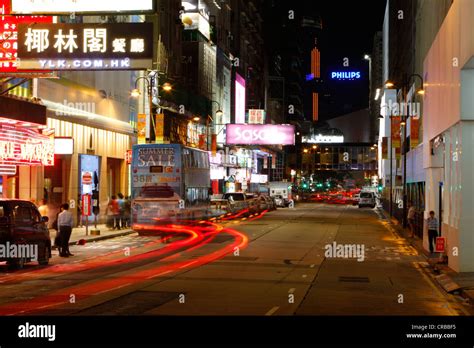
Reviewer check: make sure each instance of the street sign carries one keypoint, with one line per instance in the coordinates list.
(440, 244)
(86, 205)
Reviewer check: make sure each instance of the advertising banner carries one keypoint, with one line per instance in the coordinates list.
(268, 134)
(141, 127)
(80, 6)
(9, 37)
(256, 116)
(395, 131)
(160, 128)
(385, 148)
(414, 132)
(116, 46)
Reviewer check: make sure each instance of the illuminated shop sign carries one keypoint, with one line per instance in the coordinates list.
(256, 116)
(23, 145)
(118, 46)
(63, 146)
(269, 134)
(240, 103)
(9, 35)
(319, 138)
(346, 75)
(80, 6)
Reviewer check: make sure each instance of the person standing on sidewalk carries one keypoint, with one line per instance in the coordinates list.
(121, 205)
(65, 223)
(411, 220)
(433, 226)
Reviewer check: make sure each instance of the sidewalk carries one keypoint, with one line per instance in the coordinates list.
(79, 233)
(450, 280)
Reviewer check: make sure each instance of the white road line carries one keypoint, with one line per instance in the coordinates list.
(304, 275)
(272, 311)
(292, 291)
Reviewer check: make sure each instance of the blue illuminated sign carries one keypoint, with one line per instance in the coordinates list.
(346, 75)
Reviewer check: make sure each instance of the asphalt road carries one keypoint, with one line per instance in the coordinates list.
(276, 264)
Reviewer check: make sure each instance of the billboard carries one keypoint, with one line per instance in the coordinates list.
(240, 102)
(9, 36)
(268, 134)
(80, 6)
(117, 46)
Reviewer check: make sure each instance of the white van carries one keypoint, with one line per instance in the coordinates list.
(367, 199)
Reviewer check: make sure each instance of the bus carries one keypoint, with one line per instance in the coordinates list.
(170, 182)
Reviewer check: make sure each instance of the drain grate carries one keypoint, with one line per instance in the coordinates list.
(354, 279)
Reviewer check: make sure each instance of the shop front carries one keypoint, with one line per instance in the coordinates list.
(26, 147)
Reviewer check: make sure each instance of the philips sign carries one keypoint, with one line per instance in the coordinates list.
(267, 134)
(346, 75)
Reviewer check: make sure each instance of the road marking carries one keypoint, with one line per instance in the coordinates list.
(313, 265)
(272, 311)
(292, 291)
(304, 275)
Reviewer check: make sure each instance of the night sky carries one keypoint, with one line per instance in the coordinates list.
(348, 31)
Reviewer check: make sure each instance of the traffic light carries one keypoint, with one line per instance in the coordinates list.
(305, 185)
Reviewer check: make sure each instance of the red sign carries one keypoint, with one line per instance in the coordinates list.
(395, 131)
(414, 132)
(128, 156)
(440, 244)
(9, 36)
(86, 205)
(86, 178)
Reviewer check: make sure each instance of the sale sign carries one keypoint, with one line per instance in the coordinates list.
(9, 36)
(440, 244)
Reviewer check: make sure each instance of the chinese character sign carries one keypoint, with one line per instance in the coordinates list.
(118, 46)
(9, 35)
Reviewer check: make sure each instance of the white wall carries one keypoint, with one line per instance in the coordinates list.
(449, 111)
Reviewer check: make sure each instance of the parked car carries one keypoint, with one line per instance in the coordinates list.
(281, 201)
(266, 203)
(367, 199)
(355, 199)
(22, 226)
(239, 201)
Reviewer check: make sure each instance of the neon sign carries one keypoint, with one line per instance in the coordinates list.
(25, 146)
(346, 75)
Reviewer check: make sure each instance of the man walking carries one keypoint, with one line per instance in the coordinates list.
(433, 226)
(65, 223)
(411, 220)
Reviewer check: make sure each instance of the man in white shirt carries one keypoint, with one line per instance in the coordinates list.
(65, 223)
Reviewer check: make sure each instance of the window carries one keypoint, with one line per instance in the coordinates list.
(22, 215)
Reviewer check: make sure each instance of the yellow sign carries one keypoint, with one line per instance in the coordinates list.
(160, 128)
(141, 127)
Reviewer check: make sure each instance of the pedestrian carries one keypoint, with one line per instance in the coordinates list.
(121, 205)
(43, 208)
(54, 226)
(127, 211)
(65, 223)
(411, 220)
(113, 213)
(433, 225)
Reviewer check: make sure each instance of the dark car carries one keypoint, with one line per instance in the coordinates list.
(23, 231)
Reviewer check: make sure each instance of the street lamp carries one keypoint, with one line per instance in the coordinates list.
(149, 83)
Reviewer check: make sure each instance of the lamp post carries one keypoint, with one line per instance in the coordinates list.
(219, 114)
(149, 83)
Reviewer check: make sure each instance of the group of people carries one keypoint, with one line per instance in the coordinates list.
(118, 212)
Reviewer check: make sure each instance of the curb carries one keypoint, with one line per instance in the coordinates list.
(100, 238)
(439, 276)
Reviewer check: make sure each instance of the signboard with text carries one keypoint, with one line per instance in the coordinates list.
(117, 46)
(268, 134)
(256, 116)
(80, 6)
(440, 244)
(9, 36)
